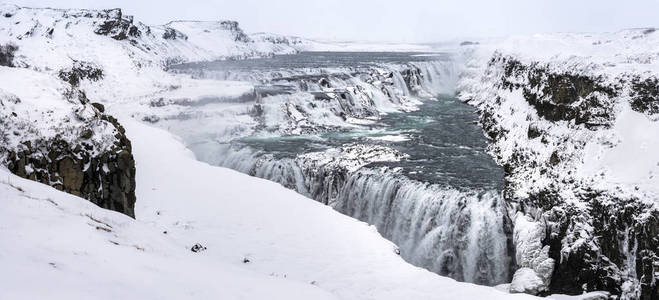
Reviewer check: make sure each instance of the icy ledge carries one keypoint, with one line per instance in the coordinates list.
(263, 241)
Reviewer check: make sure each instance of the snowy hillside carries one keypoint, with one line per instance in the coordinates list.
(573, 120)
(265, 242)
(256, 239)
(67, 33)
(130, 55)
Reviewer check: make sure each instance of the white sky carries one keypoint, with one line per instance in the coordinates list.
(389, 20)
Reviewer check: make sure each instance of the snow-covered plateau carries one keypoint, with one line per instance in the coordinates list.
(559, 196)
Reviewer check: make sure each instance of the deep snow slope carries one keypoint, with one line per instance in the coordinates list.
(262, 240)
(63, 247)
(574, 121)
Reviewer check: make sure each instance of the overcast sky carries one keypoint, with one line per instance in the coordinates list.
(390, 20)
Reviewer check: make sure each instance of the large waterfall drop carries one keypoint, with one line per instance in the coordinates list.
(377, 136)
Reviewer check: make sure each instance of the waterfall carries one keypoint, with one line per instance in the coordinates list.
(452, 231)
(439, 78)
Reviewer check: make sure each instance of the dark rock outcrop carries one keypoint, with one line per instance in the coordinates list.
(7, 54)
(645, 95)
(281, 40)
(559, 96)
(197, 248)
(412, 77)
(89, 155)
(173, 34)
(238, 34)
(106, 179)
(117, 26)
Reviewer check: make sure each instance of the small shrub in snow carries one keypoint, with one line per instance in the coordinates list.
(197, 248)
(81, 71)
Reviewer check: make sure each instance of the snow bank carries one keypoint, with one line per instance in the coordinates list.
(59, 246)
(262, 240)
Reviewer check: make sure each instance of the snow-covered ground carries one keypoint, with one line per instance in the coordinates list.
(262, 240)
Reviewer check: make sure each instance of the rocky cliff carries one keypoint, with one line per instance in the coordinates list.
(569, 132)
(53, 134)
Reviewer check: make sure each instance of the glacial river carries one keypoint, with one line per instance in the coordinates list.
(429, 185)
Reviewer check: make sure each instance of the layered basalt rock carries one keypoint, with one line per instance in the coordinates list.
(106, 179)
(87, 154)
(559, 96)
(600, 237)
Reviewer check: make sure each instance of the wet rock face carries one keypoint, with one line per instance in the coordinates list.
(628, 230)
(627, 240)
(117, 27)
(413, 78)
(106, 178)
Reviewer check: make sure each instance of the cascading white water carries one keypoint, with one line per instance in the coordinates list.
(453, 231)
(456, 233)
